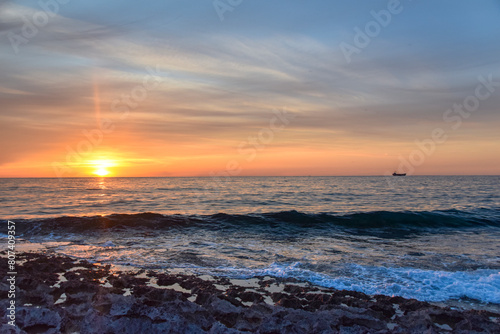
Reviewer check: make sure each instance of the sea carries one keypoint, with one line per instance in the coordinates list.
(432, 238)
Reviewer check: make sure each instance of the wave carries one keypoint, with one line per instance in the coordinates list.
(383, 223)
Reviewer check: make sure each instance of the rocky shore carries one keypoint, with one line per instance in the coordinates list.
(57, 294)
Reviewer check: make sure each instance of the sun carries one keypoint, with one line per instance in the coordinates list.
(101, 172)
(101, 167)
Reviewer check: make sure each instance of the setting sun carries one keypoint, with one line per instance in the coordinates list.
(101, 167)
(101, 172)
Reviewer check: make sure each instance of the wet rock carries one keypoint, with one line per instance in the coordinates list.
(79, 298)
(411, 305)
(386, 310)
(204, 298)
(231, 299)
(38, 320)
(189, 282)
(76, 286)
(155, 296)
(222, 306)
(37, 296)
(219, 328)
(78, 310)
(250, 296)
(224, 312)
(8, 329)
(120, 305)
(350, 320)
(295, 289)
(290, 302)
(90, 307)
(126, 281)
(166, 280)
(234, 291)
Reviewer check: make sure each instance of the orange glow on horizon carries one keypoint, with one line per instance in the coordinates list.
(100, 167)
(101, 172)
(130, 156)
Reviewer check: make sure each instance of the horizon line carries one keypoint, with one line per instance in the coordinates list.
(226, 176)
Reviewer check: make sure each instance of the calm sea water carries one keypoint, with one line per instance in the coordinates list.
(426, 237)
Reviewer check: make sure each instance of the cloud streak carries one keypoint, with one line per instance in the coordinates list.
(223, 79)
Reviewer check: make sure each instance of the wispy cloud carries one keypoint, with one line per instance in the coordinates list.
(222, 79)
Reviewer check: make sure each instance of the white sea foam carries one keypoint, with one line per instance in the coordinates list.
(425, 285)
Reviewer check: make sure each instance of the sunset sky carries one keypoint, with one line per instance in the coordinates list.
(196, 88)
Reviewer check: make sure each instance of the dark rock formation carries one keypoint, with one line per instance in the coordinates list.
(82, 302)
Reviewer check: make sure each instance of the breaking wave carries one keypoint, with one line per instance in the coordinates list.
(278, 222)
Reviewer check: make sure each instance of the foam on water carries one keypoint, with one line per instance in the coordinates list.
(432, 285)
(426, 285)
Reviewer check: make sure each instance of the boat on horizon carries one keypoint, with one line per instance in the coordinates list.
(398, 174)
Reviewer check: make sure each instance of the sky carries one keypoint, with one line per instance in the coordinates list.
(249, 87)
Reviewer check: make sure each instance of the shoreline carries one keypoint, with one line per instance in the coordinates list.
(62, 294)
